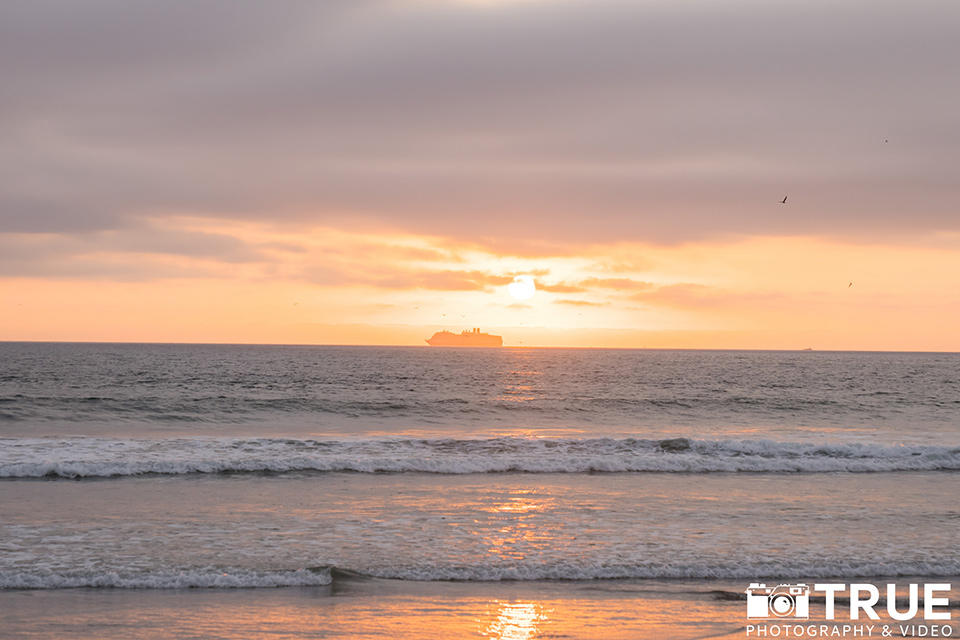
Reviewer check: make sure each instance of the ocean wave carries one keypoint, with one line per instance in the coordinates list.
(208, 577)
(750, 571)
(216, 578)
(81, 457)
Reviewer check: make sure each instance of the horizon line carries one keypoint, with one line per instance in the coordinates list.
(417, 346)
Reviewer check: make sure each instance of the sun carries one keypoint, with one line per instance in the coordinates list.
(522, 287)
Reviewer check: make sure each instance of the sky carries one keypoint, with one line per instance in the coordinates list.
(372, 171)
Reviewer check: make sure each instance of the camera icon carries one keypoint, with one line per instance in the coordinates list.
(781, 601)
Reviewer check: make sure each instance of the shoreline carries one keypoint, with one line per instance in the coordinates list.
(367, 608)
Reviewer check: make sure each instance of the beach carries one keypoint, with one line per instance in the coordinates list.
(373, 608)
(201, 491)
(358, 607)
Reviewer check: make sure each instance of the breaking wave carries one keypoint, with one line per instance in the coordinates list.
(209, 578)
(214, 578)
(83, 457)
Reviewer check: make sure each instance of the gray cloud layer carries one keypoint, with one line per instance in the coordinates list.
(566, 121)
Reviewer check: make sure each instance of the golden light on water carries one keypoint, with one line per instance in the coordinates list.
(521, 383)
(509, 527)
(515, 620)
(520, 506)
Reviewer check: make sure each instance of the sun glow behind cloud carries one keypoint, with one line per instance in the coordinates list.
(199, 279)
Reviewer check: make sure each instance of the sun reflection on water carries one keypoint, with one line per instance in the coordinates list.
(521, 383)
(509, 527)
(520, 501)
(515, 620)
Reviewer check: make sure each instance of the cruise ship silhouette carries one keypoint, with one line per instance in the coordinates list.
(472, 338)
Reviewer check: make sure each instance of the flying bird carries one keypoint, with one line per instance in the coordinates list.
(849, 285)
(784, 201)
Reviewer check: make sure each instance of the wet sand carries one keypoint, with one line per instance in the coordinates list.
(368, 608)
(372, 608)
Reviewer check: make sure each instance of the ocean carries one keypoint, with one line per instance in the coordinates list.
(378, 492)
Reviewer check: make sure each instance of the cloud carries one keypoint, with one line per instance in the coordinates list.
(399, 277)
(139, 253)
(445, 281)
(514, 126)
(580, 303)
(686, 295)
(588, 284)
(559, 288)
(616, 283)
(61, 258)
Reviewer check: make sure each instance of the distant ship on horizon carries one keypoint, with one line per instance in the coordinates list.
(471, 338)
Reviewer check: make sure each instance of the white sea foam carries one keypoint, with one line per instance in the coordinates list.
(739, 571)
(104, 457)
(213, 578)
(207, 577)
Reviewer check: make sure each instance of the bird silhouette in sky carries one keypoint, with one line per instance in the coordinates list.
(849, 285)
(784, 201)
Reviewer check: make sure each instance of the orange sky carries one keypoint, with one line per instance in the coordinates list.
(326, 286)
(372, 171)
